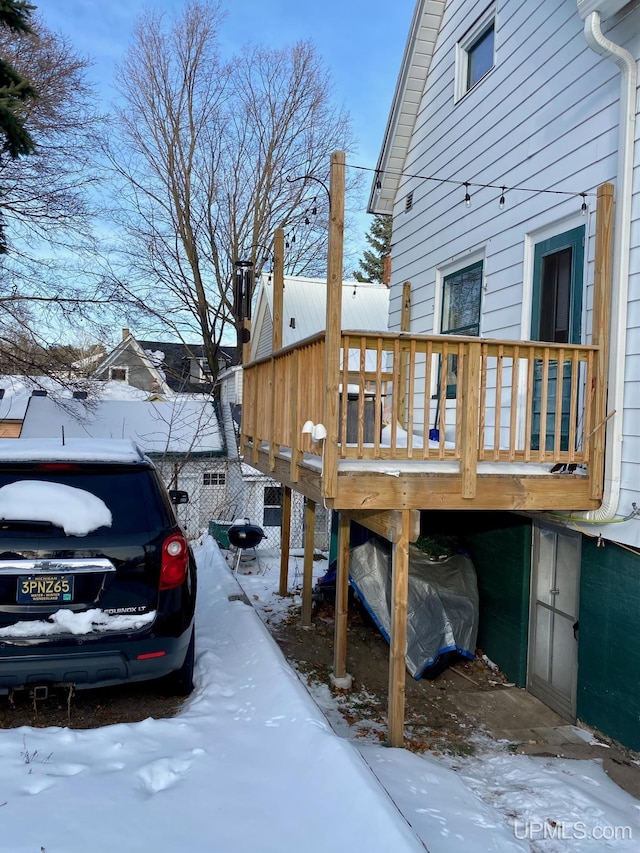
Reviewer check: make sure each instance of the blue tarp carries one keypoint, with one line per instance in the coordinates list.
(442, 605)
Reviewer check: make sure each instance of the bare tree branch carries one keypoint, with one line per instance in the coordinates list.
(203, 151)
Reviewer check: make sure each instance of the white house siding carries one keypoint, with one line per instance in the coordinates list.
(545, 117)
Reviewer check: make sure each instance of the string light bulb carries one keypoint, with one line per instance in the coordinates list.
(583, 208)
(501, 203)
(467, 197)
(378, 186)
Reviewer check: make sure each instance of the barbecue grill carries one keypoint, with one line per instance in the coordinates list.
(245, 536)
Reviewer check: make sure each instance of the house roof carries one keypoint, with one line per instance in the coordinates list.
(406, 103)
(19, 389)
(365, 306)
(181, 425)
(151, 358)
(175, 364)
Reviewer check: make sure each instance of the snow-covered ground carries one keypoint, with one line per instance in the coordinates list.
(251, 764)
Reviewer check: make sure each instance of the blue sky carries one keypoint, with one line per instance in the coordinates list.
(362, 42)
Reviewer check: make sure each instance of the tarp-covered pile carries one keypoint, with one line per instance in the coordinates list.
(442, 607)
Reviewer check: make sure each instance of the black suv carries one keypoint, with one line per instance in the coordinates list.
(97, 580)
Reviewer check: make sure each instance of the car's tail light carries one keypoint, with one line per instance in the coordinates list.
(175, 560)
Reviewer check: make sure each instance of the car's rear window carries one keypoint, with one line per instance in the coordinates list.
(130, 494)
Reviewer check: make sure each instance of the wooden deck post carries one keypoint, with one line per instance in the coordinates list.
(600, 332)
(333, 323)
(469, 412)
(307, 571)
(278, 289)
(285, 537)
(405, 326)
(398, 649)
(340, 677)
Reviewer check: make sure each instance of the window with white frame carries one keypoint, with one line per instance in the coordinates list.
(475, 54)
(272, 513)
(213, 478)
(461, 298)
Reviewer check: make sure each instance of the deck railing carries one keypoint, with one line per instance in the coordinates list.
(421, 397)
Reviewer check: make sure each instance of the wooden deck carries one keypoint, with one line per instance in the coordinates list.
(503, 414)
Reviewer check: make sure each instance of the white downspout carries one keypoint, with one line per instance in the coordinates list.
(620, 267)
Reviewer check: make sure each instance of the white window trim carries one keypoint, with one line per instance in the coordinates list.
(448, 269)
(462, 50)
(531, 239)
(442, 272)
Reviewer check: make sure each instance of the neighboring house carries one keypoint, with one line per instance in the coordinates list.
(160, 367)
(364, 306)
(532, 105)
(182, 435)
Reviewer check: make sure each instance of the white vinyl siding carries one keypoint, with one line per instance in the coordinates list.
(546, 117)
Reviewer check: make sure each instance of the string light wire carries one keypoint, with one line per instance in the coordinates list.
(465, 184)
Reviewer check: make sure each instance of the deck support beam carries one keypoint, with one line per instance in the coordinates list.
(307, 571)
(398, 647)
(285, 537)
(340, 677)
(387, 523)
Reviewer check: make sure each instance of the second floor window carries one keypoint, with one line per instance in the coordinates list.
(480, 57)
(476, 52)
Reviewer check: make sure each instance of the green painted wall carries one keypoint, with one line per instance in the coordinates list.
(609, 642)
(500, 547)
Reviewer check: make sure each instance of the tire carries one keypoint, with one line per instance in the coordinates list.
(180, 682)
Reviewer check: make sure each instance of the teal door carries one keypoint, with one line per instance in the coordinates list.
(556, 315)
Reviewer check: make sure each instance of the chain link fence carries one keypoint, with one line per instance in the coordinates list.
(222, 490)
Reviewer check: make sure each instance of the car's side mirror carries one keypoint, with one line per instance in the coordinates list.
(178, 496)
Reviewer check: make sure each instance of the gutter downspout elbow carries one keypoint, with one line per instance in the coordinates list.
(620, 266)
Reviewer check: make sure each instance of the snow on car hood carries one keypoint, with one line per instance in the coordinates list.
(75, 510)
(68, 622)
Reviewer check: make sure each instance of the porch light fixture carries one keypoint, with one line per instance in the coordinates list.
(318, 432)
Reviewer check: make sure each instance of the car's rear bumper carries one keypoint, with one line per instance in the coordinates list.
(99, 663)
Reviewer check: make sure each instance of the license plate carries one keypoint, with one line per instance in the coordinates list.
(45, 589)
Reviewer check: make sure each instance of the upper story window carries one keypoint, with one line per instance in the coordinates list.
(475, 53)
(480, 57)
(119, 374)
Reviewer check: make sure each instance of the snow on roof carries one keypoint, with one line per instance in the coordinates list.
(18, 390)
(179, 425)
(73, 449)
